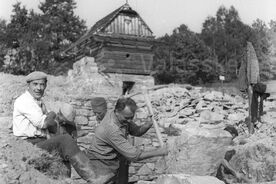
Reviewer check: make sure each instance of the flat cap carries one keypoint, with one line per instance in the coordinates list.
(68, 111)
(36, 75)
(98, 104)
(99, 107)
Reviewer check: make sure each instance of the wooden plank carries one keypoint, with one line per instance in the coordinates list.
(122, 64)
(124, 52)
(130, 58)
(138, 50)
(121, 38)
(126, 66)
(127, 71)
(126, 62)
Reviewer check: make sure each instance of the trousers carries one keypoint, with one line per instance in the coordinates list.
(65, 145)
(256, 105)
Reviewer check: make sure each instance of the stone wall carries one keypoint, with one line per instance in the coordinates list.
(87, 79)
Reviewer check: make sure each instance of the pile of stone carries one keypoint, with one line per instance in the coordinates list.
(178, 106)
(183, 178)
(192, 122)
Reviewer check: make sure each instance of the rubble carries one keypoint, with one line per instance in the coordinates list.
(15, 158)
(191, 120)
(184, 179)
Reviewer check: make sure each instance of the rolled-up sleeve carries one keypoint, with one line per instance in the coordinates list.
(134, 129)
(121, 144)
(32, 112)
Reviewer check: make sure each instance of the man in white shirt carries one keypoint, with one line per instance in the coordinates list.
(31, 122)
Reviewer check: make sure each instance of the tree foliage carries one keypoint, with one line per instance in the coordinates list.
(185, 58)
(227, 36)
(34, 41)
(218, 49)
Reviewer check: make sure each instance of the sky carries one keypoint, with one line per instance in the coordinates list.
(162, 16)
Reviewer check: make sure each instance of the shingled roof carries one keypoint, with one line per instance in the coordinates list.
(107, 19)
(99, 26)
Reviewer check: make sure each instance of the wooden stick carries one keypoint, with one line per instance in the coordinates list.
(159, 137)
(250, 123)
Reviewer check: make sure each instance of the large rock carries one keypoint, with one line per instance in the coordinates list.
(198, 151)
(256, 159)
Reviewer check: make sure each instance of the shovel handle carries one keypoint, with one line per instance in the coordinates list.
(159, 137)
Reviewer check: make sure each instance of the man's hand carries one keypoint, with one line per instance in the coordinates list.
(154, 116)
(50, 122)
(163, 151)
(241, 177)
(149, 122)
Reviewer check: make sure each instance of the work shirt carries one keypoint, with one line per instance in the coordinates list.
(28, 116)
(249, 69)
(110, 142)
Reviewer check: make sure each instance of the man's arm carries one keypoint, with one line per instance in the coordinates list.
(162, 151)
(33, 113)
(136, 130)
(130, 152)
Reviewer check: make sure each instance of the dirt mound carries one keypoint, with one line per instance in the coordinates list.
(20, 161)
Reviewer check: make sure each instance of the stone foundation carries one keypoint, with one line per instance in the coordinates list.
(88, 79)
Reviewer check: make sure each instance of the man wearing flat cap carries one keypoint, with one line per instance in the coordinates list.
(99, 107)
(32, 122)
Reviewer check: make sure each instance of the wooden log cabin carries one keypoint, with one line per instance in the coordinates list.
(121, 42)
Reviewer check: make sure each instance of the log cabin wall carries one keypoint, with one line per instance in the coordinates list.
(122, 44)
(128, 61)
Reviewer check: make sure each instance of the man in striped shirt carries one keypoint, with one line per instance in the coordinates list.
(110, 141)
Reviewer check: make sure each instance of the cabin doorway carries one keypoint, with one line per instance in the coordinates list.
(127, 86)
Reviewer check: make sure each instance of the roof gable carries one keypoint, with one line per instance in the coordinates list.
(124, 21)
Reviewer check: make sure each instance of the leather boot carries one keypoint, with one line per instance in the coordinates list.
(83, 167)
(86, 170)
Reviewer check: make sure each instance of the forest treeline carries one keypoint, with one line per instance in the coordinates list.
(34, 41)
